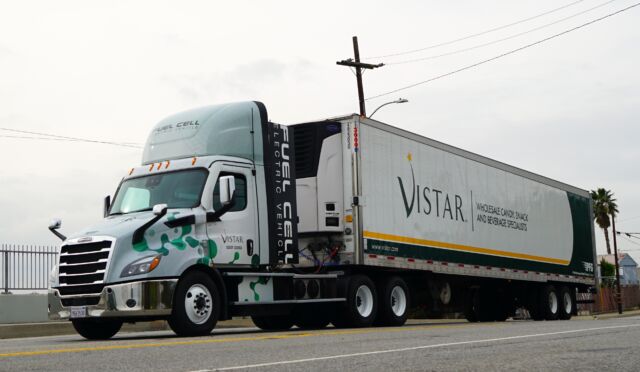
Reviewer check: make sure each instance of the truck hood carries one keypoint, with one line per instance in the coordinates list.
(170, 242)
(116, 226)
(121, 226)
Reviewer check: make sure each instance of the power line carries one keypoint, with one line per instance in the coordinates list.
(503, 54)
(629, 234)
(37, 138)
(499, 40)
(47, 136)
(630, 241)
(477, 34)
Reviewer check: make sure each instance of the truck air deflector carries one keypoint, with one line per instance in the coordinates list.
(225, 129)
(280, 187)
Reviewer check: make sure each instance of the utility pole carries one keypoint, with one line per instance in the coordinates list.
(359, 66)
(615, 251)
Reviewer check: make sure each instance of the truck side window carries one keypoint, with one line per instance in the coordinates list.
(240, 194)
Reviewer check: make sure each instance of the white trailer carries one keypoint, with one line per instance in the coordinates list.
(346, 221)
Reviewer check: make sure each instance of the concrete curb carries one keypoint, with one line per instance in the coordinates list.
(66, 328)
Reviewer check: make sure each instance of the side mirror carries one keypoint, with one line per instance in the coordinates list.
(227, 188)
(55, 224)
(106, 205)
(160, 209)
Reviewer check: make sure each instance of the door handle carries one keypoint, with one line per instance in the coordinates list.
(249, 247)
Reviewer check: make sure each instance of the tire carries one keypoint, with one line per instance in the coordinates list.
(534, 304)
(470, 305)
(314, 317)
(273, 322)
(97, 329)
(567, 303)
(361, 307)
(502, 306)
(196, 305)
(485, 304)
(393, 302)
(550, 302)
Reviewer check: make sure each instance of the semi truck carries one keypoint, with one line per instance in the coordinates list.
(347, 221)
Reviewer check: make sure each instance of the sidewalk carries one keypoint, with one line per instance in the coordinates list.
(624, 314)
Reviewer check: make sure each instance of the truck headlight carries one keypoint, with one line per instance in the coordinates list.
(141, 266)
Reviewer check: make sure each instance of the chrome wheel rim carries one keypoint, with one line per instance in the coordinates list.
(197, 303)
(364, 301)
(398, 301)
(553, 302)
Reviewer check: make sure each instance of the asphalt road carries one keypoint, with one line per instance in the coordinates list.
(612, 344)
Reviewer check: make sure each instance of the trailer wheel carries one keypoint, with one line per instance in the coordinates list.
(361, 307)
(550, 302)
(567, 303)
(502, 305)
(273, 323)
(196, 305)
(470, 305)
(393, 303)
(97, 329)
(534, 304)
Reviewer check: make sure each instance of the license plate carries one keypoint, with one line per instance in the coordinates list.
(78, 312)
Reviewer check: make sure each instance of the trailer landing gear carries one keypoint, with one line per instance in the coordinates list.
(487, 304)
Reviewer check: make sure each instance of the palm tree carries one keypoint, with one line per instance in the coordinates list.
(604, 204)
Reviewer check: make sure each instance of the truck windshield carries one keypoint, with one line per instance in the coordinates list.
(181, 189)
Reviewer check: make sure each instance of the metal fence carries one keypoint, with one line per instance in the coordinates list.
(26, 267)
(606, 299)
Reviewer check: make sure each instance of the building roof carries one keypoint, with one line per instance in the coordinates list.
(623, 259)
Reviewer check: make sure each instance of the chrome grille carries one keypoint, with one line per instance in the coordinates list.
(83, 266)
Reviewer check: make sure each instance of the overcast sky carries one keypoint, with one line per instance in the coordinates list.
(567, 109)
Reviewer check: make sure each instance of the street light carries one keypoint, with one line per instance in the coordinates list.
(399, 100)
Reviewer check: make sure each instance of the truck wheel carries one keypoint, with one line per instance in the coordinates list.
(394, 301)
(196, 305)
(97, 329)
(273, 322)
(550, 302)
(315, 316)
(361, 306)
(567, 304)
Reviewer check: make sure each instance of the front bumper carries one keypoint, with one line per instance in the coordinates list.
(135, 299)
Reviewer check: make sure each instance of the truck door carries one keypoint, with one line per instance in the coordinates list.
(233, 239)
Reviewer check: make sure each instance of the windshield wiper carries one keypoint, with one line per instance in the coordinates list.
(141, 210)
(136, 211)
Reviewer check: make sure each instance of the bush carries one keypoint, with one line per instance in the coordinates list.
(607, 273)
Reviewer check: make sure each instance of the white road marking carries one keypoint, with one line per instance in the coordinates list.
(414, 348)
